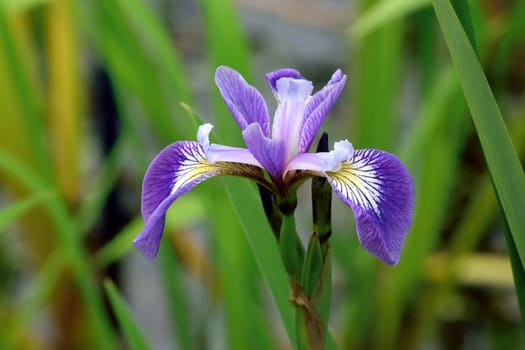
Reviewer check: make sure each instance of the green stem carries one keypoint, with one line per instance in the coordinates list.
(292, 250)
(312, 298)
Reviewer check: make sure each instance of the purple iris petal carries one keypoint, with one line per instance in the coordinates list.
(318, 107)
(322, 162)
(221, 153)
(281, 73)
(270, 153)
(287, 122)
(379, 189)
(170, 175)
(176, 170)
(375, 184)
(245, 103)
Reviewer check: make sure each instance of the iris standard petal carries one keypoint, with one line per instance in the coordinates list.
(318, 107)
(245, 103)
(269, 152)
(379, 189)
(175, 171)
(287, 123)
(281, 73)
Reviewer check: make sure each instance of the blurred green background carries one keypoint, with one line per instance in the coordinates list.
(91, 90)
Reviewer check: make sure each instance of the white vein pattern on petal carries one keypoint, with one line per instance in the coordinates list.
(192, 167)
(358, 181)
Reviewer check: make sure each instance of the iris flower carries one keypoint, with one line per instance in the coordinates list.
(373, 183)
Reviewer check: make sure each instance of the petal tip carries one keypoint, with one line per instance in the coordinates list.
(274, 76)
(146, 247)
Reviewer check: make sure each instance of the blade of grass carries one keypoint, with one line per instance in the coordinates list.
(376, 99)
(26, 99)
(504, 166)
(19, 208)
(511, 39)
(475, 221)
(99, 187)
(41, 290)
(426, 46)
(177, 298)
(180, 215)
(143, 65)
(131, 330)
(357, 265)
(71, 244)
(517, 269)
(227, 46)
(263, 246)
(439, 156)
(462, 9)
(382, 12)
(245, 323)
(378, 72)
(19, 6)
(63, 99)
(174, 87)
(443, 90)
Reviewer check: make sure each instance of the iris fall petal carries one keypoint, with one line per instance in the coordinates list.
(175, 171)
(378, 188)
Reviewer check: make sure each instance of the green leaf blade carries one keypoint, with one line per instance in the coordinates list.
(502, 161)
(129, 327)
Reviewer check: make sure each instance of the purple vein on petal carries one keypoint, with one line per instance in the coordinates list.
(379, 189)
(269, 153)
(245, 103)
(176, 170)
(318, 107)
(272, 77)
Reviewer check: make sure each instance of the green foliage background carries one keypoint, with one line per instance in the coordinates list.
(439, 83)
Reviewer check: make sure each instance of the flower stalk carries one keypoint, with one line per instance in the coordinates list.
(291, 248)
(312, 296)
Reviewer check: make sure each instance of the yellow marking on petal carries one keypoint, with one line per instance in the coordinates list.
(196, 166)
(358, 182)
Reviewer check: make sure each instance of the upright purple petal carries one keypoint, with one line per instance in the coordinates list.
(318, 107)
(289, 115)
(281, 73)
(245, 103)
(270, 153)
(379, 189)
(176, 170)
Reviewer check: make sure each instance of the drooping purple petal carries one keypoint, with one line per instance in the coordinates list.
(270, 153)
(318, 107)
(272, 77)
(176, 170)
(379, 189)
(245, 103)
